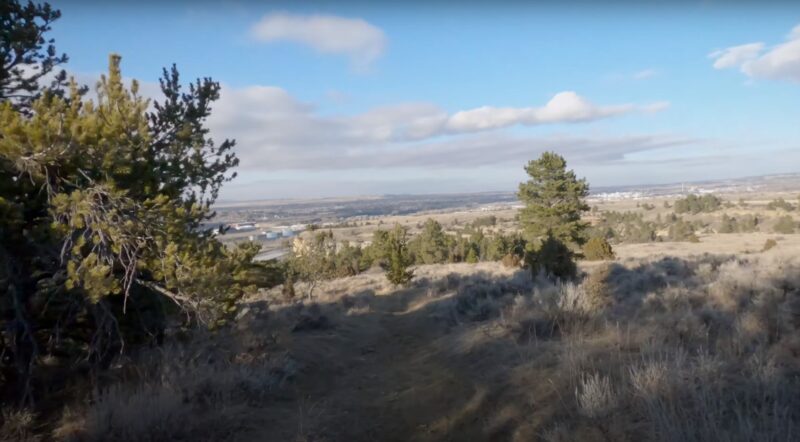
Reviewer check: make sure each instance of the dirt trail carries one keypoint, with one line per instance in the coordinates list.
(380, 375)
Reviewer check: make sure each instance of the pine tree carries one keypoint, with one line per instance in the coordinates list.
(431, 244)
(554, 201)
(398, 258)
(102, 204)
(27, 58)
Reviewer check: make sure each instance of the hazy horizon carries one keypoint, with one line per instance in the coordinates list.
(347, 99)
(592, 189)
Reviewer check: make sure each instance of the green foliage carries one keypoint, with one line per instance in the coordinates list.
(554, 201)
(432, 245)
(376, 252)
(553, 259)
(728, 225)
(625, 227)
(28, 58)
(698, 204)
(348, 260)
(321, 257)
(503, 245)
(748, 223)
(314, 260)
(682, 231)
(597, 249)
(784, 224)
(102, 203)
(472, 256)
(780, 204)
(398, 258)
(745, 224)
(485, 221)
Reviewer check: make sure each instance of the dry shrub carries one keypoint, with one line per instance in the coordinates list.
(650, 379)
(185, 392)
(597, 287)
(738, 282)
(596, 397)
(716, 350)
(598, 249)
(18, 426)
(769, 244)
(482, 296)
(664, 350)
(511, 260)
(750, 333)
(555, 310)
(575, 299)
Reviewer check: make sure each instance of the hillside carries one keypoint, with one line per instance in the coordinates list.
(652, 349)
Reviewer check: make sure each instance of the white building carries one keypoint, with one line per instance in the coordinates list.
(244, 227)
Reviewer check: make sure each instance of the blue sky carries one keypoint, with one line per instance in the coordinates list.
(347, 98)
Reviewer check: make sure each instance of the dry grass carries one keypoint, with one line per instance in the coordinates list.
(660, 349)
(210, 389)
(18, 426)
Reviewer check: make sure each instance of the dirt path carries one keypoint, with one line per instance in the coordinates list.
(376, 376)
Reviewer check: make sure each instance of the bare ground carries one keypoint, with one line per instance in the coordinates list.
(380, 375)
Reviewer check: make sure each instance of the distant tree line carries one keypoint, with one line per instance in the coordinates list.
(320, 256)
(552, 237)
(694, 204)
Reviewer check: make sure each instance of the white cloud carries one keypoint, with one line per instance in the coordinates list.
(652, 108)
(276, 132)
(779, 62)
(564, 107)
(361, 41)
(645, 74)
(736, 55)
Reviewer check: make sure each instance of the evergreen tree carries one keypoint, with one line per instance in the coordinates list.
(431, 244)
(27, 57)
(102, 204)
(376, 252)
(554, 201)
(398, 258)
(696, 204)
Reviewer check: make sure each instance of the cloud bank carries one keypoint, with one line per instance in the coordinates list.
(274, 131)
(355, 38)
(756, 60)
